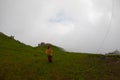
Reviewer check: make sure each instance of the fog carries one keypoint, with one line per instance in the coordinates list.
(76, 25)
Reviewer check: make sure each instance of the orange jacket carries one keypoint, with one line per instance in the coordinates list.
(49, 52)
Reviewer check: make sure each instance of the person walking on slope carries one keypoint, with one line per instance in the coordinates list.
(49, 53)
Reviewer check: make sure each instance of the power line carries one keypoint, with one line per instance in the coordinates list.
(108, 30)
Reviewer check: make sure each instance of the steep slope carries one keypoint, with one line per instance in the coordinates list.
(10, 44)
(21, 62)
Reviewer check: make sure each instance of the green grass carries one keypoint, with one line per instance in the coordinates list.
(22, 62)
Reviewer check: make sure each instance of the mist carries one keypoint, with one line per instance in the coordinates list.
(90, 26)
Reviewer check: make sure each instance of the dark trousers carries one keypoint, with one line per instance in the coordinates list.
(49, 58)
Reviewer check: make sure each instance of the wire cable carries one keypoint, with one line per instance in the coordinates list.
(108, 30)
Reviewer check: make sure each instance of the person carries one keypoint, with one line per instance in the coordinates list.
(49, 53)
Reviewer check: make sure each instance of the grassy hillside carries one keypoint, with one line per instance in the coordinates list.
(21, 62)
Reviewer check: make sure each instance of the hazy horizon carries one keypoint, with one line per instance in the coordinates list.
(76, 25)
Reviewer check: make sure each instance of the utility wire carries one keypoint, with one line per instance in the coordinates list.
(108, 30)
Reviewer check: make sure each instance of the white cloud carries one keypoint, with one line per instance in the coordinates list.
(77, 25)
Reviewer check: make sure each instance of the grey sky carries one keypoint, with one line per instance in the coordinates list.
(75, 25)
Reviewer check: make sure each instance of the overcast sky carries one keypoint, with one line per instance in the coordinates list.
(75, 25)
